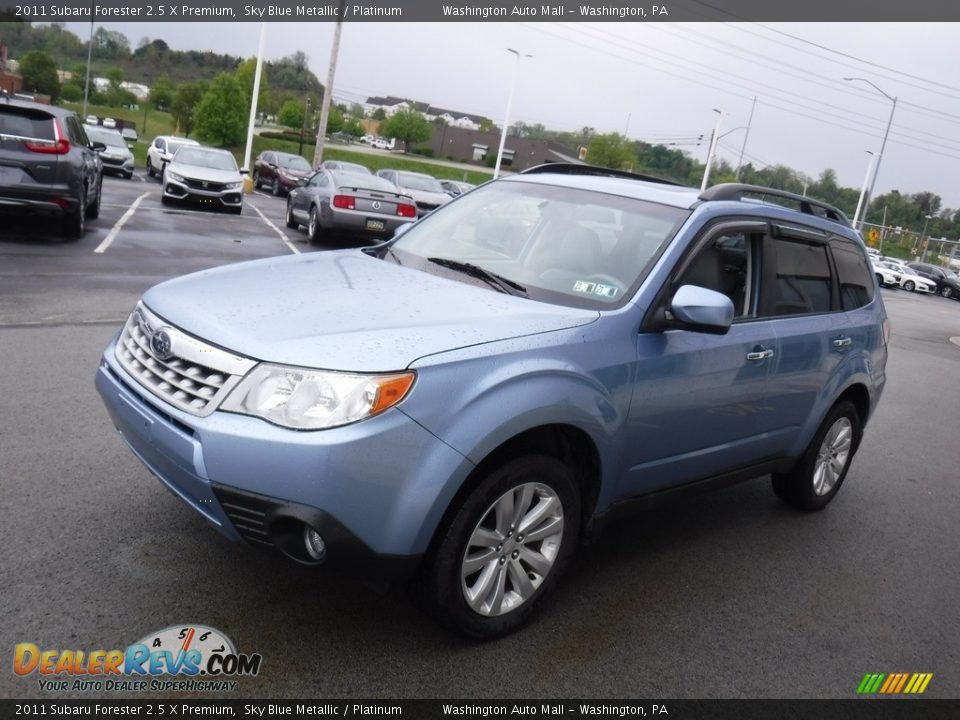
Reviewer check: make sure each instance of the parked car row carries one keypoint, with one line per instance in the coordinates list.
(915, 276)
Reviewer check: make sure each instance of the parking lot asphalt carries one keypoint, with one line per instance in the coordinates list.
(731, 594)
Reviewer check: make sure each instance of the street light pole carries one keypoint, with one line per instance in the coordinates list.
(146, 104)
(506, 116)
(86, 84)
(883, 145)
(923, 249)
(863, 190)
(713, 144)
(743, 148)
(303, 125)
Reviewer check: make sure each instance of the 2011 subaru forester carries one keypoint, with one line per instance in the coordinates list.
(466, 401)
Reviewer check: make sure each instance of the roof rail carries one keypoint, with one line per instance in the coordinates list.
(736, 191)
(568, 168)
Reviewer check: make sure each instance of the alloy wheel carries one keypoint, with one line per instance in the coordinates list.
(512, 549)
(833, 455)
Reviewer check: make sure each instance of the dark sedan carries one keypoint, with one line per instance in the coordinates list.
(948, 284)
(279, 171)
(48, 165)
(348, 202)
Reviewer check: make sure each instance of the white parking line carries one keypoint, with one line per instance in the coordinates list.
(115, 230)
(286, 240)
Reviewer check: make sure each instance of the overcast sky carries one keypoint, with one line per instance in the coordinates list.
(659, 82)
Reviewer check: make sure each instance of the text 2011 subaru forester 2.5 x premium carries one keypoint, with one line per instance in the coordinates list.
(470, 398)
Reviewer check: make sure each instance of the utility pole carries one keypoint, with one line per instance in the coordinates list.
(743, 147)
(714, 136)
(303, 125)
(883, 229)
(86, 85)
(253, 100)
(328, 90)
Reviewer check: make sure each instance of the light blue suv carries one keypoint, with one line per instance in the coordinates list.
(464, 403)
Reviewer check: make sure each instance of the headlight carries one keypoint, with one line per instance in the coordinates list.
(306, 399)
(173, 176)
(234, 186)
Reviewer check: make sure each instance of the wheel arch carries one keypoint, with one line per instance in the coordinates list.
(571, 445)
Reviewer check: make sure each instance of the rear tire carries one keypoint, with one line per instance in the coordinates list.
(150, 169)
(73, 223)
(275, 188)
(946, 292)
(485, 578)
(817, 478)
(313, 229)
(256, 181)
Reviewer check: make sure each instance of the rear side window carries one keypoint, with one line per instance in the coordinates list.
(800, 282)
(26, 122)
(855, 279)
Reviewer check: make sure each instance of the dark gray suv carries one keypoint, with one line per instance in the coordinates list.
(48, 166)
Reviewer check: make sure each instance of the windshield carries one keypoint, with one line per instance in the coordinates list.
(110, 138)
(349, 178)
(294, 162)
(418, 182)
(566, 246)
(173, 146)
(352, 167)
(206, 158)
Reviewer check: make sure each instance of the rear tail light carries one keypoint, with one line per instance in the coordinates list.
(344, 202)
(404, 210)
(58, 146)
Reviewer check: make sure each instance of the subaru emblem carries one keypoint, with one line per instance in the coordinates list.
(161, 343)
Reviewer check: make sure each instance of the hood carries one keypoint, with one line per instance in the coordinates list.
(199, 172)
(346, 311)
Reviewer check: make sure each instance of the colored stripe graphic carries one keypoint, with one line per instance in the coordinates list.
(894, 683)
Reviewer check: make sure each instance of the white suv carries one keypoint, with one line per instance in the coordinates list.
(161, 151)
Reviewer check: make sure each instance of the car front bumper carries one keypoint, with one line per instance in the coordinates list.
(374, 490)
(181, 191)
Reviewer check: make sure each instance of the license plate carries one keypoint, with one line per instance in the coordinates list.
(9, 174)
(375, 225)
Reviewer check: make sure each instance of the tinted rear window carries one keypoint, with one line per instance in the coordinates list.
(856, 280)
(25, 122)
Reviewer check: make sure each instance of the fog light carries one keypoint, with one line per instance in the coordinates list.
(314, 543)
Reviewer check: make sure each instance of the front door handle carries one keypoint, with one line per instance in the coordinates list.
(842, 341)
(759, 354)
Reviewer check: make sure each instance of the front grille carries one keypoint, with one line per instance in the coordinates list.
(167, 362)
(205, 185)
(116, 162)
(248, 513)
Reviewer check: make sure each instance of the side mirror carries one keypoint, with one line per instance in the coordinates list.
(129, 146)
(98, 146)
(702, 310)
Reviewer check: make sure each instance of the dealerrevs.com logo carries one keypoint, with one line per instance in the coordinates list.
(179, 658)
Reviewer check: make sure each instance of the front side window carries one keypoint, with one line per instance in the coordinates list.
(725, 264)
(563, 245)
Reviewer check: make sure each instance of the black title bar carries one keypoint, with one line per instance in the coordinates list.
(479, 11)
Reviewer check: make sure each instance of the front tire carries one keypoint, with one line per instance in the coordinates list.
(291, 221)
(505, 548)
(817, 478)
(275, 188)
(93, 210)
(909, 286)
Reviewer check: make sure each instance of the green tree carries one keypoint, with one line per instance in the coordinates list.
(110, 44)
(354, 127)
(185, 101)
(611, 150)
(221, 117)
(161, 93)
(379, 114)
(71, 92)
(291, 114)
(245, 75)
(407, 125)
(40, 73)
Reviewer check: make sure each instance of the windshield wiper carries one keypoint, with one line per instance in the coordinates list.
(504, 285)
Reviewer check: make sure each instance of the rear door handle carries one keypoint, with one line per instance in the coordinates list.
(759, 354)
(842, 342)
